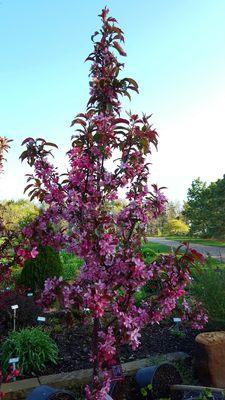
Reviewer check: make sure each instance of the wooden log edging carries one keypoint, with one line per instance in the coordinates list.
(68, 380)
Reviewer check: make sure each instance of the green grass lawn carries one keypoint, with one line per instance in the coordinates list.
(206, 242)
(156, 247)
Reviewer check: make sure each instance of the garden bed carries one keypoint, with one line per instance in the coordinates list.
(75, 346)
(74, 343)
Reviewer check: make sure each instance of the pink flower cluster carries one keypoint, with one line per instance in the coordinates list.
(11, 373)
(195, 314)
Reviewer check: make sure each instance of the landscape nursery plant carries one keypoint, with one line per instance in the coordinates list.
(47, 264)
(34, 348)
(77, 217)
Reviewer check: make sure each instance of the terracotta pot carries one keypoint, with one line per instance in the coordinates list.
(210, 358)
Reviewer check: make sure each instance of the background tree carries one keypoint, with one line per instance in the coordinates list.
(196, 208)
(216, 209)
(17, 214)
(171, 222)
(205, 208)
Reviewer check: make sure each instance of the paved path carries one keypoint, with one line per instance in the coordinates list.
(214, 251)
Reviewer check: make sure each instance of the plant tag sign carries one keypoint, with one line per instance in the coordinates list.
(41, 319)
(14, 360)
(176, 320)
(14, 307)
(29, 294)
(116, 373)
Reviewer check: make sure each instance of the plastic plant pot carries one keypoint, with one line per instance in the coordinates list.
(44, 392)
(155, 381)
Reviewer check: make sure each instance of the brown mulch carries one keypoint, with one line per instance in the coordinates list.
(75, 343)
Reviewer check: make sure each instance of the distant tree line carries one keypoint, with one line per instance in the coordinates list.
(205, 209)
(202, 215)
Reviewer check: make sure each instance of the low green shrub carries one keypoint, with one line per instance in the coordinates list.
(46, 265)
(208, 287)
(34, 348)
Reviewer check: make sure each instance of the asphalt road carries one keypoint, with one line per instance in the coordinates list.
(214, 251)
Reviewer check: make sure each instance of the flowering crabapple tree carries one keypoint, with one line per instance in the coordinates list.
(77, 217)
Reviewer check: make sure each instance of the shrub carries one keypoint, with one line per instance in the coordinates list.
(208, 287)
(46, 265)
(34, 348)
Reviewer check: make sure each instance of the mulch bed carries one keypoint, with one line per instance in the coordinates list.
(75, 346)
(75, 343)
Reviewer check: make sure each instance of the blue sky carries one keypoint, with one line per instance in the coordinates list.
(175, 51)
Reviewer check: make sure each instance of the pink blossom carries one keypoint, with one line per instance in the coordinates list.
(34, 252)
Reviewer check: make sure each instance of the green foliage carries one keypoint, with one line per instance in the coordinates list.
(157, 248)
(145, 390)
(205, 209)
(16, 214)
(177, 333)
(206, 394)
(54, 325)
(161, 225)
(175, 227)
(34, 348)
(186, 370)
(195, 208)
(71, 265)
(14, 276)
(47, 264)
(150, 252)
(208, 287)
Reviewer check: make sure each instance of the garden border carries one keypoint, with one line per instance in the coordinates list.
(69, 380)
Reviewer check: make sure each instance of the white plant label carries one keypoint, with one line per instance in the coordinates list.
(14, 307)
(176, 320)
(41, 319)
(14, 360)
(29, 294)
